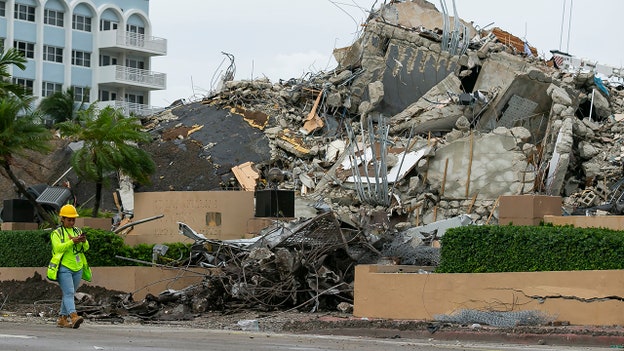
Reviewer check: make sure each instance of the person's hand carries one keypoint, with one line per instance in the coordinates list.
(79, 239)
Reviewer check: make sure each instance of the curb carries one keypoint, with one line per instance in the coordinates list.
(597, 336)
(566, 339)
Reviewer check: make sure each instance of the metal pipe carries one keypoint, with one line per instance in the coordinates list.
(365, 162)
(455, 40)
(352, 158)
(466, 41)
(132, 224)
(569, 26)
(385, 192)
(445, 27)
(62, 176)
(591, 106)
(562, 22)
(356, 171)
(409, 142)
(371, 142)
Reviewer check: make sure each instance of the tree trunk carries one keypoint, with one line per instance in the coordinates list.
(98, 198)
(43, 214)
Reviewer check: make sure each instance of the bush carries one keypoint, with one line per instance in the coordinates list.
(31, 248)
(479, 249)
(25, 248)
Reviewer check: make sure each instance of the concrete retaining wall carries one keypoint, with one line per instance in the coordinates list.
(610, 222)
(400, 292)
(577, 297)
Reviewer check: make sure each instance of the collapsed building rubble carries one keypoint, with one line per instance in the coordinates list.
(307, 265)
(494, 119)
(416, 126)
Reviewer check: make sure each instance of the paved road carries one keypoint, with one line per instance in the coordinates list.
(21, 336)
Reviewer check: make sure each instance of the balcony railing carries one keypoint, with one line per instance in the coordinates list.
(133, 41)
(132, 108)
(132, 76)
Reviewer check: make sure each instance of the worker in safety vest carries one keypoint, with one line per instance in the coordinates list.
(72, 243)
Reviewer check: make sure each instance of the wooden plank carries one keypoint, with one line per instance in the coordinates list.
(444, 177)
(246, 176)
(313, 122)
(493, 208)
(474, 198)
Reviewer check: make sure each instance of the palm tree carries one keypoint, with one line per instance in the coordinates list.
(110, 145)
(11, 57)
(19, 132)
(19, 128)
(61, 106)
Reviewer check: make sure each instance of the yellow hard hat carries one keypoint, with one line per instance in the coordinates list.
(68, 211)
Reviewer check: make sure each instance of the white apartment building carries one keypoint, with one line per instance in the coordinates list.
(102, 49)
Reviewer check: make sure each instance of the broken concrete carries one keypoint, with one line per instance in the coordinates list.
(496, 121)
(474, 123)
(468, 166)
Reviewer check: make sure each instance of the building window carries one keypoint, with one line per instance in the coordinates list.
(81, 94)
(106, 60)
(2, 8)
(24, 13)
(52, 54)
(27, 49)
(48, 88)
(136, 35)
(106, 95)
(134, 63)
(108, 25)
(81, 58)
(135, 29)
(53, 18)
(135, 99)
(27, 84)
(82, 23)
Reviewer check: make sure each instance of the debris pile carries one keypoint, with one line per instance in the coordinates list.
(307, 264)
(416, 129)
(419, 124)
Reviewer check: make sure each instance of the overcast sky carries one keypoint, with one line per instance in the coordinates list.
(283, 39)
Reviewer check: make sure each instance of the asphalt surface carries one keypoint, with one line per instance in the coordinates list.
(20, 336)
(309, 325)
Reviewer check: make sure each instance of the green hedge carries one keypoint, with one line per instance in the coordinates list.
(480, 249)
(31, 248)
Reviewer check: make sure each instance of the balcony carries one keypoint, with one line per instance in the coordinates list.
(125, 41)
(116, 75)
(131, 108)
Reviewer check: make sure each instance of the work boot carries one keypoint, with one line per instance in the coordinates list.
(63, 322)
(76, 320)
